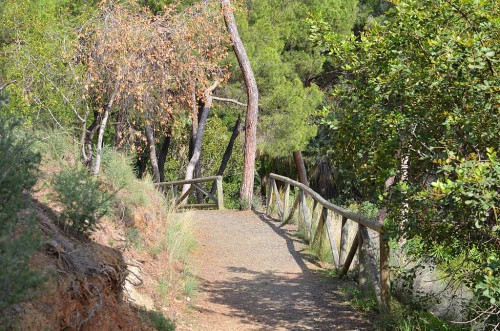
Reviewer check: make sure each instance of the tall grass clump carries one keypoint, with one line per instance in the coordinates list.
(180, 239)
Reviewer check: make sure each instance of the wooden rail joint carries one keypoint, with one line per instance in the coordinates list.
(324, 226)
(181, 202)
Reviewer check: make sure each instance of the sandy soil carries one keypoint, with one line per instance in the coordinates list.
(254, 277)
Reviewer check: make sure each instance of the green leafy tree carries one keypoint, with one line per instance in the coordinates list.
(286, 64)
(38, 59)
(418, 104)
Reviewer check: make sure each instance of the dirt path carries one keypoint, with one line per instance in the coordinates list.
(253, 277)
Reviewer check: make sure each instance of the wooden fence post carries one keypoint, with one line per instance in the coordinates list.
(385, 282)
(278, 200)
(269, 196)
(331, 237)
(350, 256)
(344, 237)
(363, 283)
(220, 193)
(305, 212)
(286, 204)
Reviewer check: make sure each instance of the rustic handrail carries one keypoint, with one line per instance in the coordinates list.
(343, 260)
(369, 223)
(179, 202)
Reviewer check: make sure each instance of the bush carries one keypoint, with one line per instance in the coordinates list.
(119, 176)
(81, 198)
(18, 236)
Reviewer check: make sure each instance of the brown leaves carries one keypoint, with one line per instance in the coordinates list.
(156, 60)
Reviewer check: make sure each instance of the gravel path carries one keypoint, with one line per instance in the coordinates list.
(253, 277)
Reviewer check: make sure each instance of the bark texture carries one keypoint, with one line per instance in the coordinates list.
(162, 156)
(199, 137)
(301, 167)
(102, 128)
(152, 153)
(246, 192)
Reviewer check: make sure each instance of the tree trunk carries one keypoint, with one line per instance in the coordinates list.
(227, 152)
(87, 140)
(97, 164)
(197, 174)
(199, 137)
(196, 112)
(102, 128)
(162, 157)
(246, 192)
(152, 153)
(301, 168)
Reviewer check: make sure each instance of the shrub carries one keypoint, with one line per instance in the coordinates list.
(119, 175)
(18, 236)
(81, 198)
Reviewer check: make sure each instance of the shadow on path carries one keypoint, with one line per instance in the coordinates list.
(282, 292)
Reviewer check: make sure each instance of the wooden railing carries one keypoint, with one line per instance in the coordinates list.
(343, 260)
(181, 202)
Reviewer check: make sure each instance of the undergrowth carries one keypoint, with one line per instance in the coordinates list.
(401, 318)
(157, 320)
(134, 205)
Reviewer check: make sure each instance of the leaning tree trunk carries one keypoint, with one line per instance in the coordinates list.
(152, 153)
(301, 167)
(87, 137)
(102, 128)
(246, 192)
(227, 152)
(196, 112)
(199, 137)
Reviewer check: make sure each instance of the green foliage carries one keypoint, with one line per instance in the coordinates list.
(425, 85)
(18, 230)
(401, 318)
(119, 175)
(191, 282)
(157, 320)
(466, 200)
(135, 239)
(37, 43)
(215, 140)
(81, 198)
(286, 65)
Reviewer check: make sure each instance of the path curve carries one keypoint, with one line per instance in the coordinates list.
(253, 277)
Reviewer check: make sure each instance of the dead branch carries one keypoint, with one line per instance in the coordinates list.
(236, 102)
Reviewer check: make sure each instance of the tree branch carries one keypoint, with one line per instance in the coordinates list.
(4, 85)
(236, 102)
